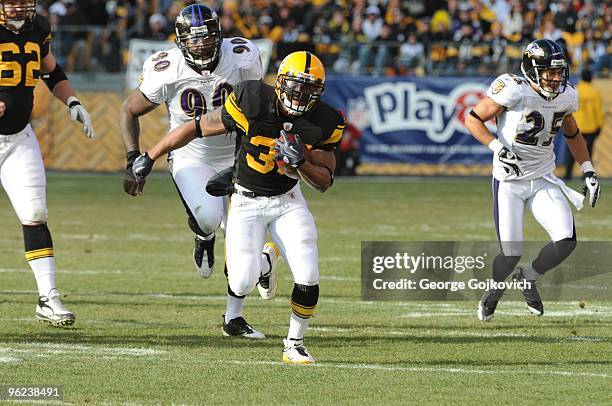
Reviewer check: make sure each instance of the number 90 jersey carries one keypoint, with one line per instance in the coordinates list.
(529, 124)
(166, 78)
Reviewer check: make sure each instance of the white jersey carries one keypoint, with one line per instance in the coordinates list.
(529, 124)
(166, 78)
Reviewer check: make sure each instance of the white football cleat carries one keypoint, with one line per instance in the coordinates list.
(268, 282)
(204, 256)
(51, 310)
(296, 353)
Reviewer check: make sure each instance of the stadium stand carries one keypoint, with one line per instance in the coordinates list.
(379, 37)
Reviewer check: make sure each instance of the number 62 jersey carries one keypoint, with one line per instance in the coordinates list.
(166, 78)
(528, 124)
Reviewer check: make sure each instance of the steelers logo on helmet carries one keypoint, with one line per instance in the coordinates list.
(17, 15)
(544, 65)
(199, 36)
(299, 83)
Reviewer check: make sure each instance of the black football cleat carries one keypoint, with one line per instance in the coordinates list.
(530, 293)
(488, 304)
(239, 327)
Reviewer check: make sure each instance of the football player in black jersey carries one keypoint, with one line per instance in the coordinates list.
(288, 134)
(25, 58)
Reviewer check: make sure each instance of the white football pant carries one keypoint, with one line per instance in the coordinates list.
(547, 204)
(22, 174)
(191, 176)
(291, 226)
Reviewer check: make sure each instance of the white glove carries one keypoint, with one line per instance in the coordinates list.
(591, 183)
(78, 112)
(508, 159)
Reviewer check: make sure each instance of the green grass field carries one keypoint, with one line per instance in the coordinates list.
(149, 329)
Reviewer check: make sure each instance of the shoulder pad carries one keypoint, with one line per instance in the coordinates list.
(250, 96)
(332, 123)
(506, 90)
(160, 61)
(242, 52)
(42, 26)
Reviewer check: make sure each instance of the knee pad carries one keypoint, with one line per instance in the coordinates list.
(203, 226)
(36, 215)
(241, 286)
(304, 300)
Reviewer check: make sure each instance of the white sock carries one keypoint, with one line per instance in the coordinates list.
(530, 273)
(44, 272)
(297, 328)
(233, 308)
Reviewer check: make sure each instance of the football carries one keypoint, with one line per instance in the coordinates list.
(283, 169)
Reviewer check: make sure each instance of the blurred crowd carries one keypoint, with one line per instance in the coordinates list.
(379, 37)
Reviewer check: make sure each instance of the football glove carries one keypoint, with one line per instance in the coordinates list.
(130, 185)
(591, 183)
(508, 159)
(142, 167)
(78, 112)
(290, 150)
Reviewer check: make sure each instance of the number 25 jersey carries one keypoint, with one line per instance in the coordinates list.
(167, 78)
(20, 57)
(529, 123)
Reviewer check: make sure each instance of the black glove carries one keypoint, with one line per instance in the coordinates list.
(130, 185)
(142, 166)
(290, 150)
(221, 184)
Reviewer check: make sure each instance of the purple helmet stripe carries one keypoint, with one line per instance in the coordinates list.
(201, 18)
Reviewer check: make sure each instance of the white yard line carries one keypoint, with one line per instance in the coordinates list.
(42, 349)
(412, 331)
(433, 309)
(7, 360)
(379, 367)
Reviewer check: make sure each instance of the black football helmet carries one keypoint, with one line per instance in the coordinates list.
(547, 56)
(199, 36)
(17, 15)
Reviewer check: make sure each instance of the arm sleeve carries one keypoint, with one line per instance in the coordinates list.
(505, 91)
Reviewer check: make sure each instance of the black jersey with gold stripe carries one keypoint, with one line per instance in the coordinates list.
(20, 57)
(252, 110)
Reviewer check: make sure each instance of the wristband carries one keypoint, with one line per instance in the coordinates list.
(72, 101)
(198, 130)
(496, 145)
(587, 166)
